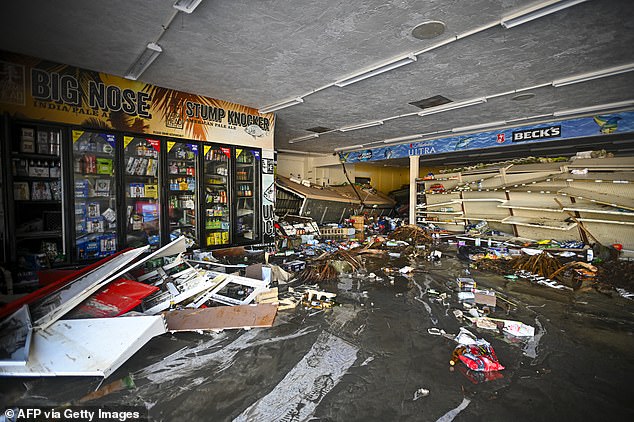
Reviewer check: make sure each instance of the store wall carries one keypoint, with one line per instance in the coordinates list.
(327, 170)
(292, 165)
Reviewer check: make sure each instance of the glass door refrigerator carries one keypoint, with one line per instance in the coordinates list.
(94, 185)
(247, 190)
(141, 158)
(182, 191)
(216, 198)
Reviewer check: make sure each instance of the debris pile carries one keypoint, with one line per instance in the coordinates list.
(617, 273)
(412, 234)
(542, 264)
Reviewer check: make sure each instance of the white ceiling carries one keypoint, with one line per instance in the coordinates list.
(258, 53)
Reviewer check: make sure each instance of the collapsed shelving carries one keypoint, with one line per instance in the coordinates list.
(585, 199)
(327, 204)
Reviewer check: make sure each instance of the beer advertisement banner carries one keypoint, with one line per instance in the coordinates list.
(35, 89)
(600, 124)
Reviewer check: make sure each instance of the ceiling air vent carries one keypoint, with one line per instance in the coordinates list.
(319, 129)
(434, 101)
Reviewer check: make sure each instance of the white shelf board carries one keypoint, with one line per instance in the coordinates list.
(539, 223)
(492, 218)
(599, 177)
(602, 198)
(597, 208)
(528, 206)
(455, 223)
(620, 163)
(444, 212)
(440, 204)
(483, 199)
(594, 220)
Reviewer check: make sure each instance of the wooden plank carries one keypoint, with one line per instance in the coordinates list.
(221, 318)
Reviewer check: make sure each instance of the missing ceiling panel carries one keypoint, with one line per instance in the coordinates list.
(434, 101)
(319, 129)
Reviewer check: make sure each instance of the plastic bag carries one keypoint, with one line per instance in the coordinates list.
(480, 358)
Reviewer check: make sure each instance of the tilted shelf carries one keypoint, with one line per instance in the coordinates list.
(444, 212)
(594, 220)
(614, 163)
(529, 206)
(593, 207)
(539, 223)
(492, 218)
(601, 198)
(599, 177)
(439, 204)
(455, 223)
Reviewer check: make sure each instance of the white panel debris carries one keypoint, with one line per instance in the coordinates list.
(87, 347)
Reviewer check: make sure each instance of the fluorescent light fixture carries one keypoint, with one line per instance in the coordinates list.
(611, 71)
(598, 108)
(403, 138)
(480, 126)
(376, 70)
(274, 107)
(186, 6)
(288, 151)
(361, 126)
(452, 106)
(146, 58)
(536, 12)
(304, 138)
(348, 148)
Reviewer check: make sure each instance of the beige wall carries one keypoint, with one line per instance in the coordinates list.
(324, 169)
(384, 179)
(327, 170)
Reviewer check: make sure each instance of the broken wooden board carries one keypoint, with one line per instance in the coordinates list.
(221, 318)
(267, 296)
(485, 297)
(86, 347)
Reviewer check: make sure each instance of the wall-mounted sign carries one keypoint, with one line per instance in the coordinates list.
(534, 134)
(601, 124)
(41, 90)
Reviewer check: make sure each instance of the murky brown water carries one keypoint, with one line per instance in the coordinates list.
(579, 367)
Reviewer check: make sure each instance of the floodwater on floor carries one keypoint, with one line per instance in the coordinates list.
(372, 358)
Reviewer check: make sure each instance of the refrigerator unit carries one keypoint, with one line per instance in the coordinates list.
(216, 196)
(35, 233)
(247, 190)
(182, 191)
(141, 162)
(95, 194)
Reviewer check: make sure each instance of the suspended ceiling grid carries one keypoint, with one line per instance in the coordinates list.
(258, 53)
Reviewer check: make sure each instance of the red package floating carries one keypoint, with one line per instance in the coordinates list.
(480, 358)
